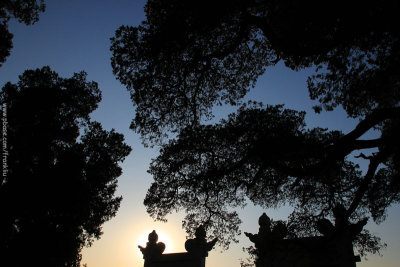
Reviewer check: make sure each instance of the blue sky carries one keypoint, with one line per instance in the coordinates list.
(74, 35)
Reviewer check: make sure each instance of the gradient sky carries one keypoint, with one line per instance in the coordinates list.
(74, 35)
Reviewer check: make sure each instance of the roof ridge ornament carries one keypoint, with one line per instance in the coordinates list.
(199, 246)
(153, 248)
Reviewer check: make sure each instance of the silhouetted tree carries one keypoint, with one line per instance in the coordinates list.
(26, 11)
(188, 56)
(59, 186)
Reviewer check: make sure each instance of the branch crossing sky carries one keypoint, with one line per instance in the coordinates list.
(74, 35)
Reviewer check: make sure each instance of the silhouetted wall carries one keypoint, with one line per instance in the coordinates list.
(333, 249)
(308, 252)
(183, 259)
(197, 248)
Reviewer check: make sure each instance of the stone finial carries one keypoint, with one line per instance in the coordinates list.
(266, 233)
(153, 248)
(199, 245)
(325, 227)
(264, 221)
(342, 227)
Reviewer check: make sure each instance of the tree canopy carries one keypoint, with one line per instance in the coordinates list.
(188, 56)
(58, 185)
(26, 11)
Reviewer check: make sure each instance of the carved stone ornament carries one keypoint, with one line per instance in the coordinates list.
(153, 248)
(199, 245)
(334, 248)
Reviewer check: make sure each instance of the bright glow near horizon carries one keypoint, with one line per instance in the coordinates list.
(162, 237)
(74, 35)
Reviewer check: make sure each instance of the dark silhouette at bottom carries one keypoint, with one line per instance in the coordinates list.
(197, 251)
(333, 249)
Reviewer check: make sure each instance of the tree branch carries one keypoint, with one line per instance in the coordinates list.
(373, 166)
(363, 144)
(375, 117)
(346, 144)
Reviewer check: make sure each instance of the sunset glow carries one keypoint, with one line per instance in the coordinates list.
(162, 237)
(73, 36)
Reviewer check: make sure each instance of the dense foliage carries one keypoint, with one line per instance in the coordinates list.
(188, 56)
(58, 184)
(26, 11)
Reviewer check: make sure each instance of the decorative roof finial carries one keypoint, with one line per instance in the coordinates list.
(199, 245)
(153, 248)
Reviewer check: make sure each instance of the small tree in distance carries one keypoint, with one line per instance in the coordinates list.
(188, 56)
(62, 171)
